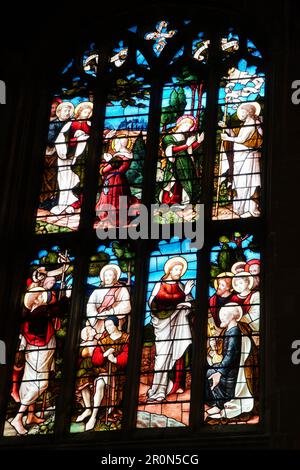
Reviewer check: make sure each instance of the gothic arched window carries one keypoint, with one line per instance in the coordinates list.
(159, 126)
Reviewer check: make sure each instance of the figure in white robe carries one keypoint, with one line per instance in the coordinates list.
(170, 308)
(70, 144)
(113, 298)
(246, 179)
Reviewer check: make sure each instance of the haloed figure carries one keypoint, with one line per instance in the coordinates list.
(38, 337)
(170, 307)
(247, 143)
(114, 180)
(70, 144)
(106, 362)
(178, 169)
(230, 383)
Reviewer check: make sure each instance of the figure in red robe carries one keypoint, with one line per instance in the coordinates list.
(115, 184)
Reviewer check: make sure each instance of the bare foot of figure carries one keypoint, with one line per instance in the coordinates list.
(18, 425)
(83, 415)
(90, 424)
(33, 419)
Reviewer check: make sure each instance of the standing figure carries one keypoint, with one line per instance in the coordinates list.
(112, 298)
(46, 280)
(170, 307)
(109, 359)
(70, 144)
(178, 169)
(246, 180)
(114, 181)
(38, 341)
(60, 112)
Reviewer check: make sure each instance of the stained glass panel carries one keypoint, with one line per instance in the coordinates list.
(121, 165)
(165, 377)
(179, 167)
(233, 332)
(37, 369)
(104, 340)
(64, 163)
(237, 178)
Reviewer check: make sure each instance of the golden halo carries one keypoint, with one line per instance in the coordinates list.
(80, 106)
(176, 260)
(252, 103)
(128, 145)
(112, 266)
(62, 105)
(224, 274)
(242, 274)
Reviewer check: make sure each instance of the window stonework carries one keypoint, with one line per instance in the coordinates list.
(130, 334)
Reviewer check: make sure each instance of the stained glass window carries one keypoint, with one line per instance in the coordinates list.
(36, 378)
(162, 332)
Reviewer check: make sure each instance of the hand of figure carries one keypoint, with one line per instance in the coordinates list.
(108, 352)
(222, 124)
(78, 133)
(107, 156)
(102, 314)
(110, 134)
(189, 286)
(112, 358)
(183, 305)
(190, 140)
(224, 136)
(68, 293)
(216, 377)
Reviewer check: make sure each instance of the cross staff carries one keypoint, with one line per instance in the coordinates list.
(222, 151)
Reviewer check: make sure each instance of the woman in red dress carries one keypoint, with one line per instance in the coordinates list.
(114, 183)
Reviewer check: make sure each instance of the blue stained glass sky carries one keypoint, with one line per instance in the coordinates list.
(167, 90)
(238, 87)
(158, 259)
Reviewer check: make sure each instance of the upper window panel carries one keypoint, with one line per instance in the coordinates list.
(237, 176)
(179, 167)
(180, 181)
(67, 147)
